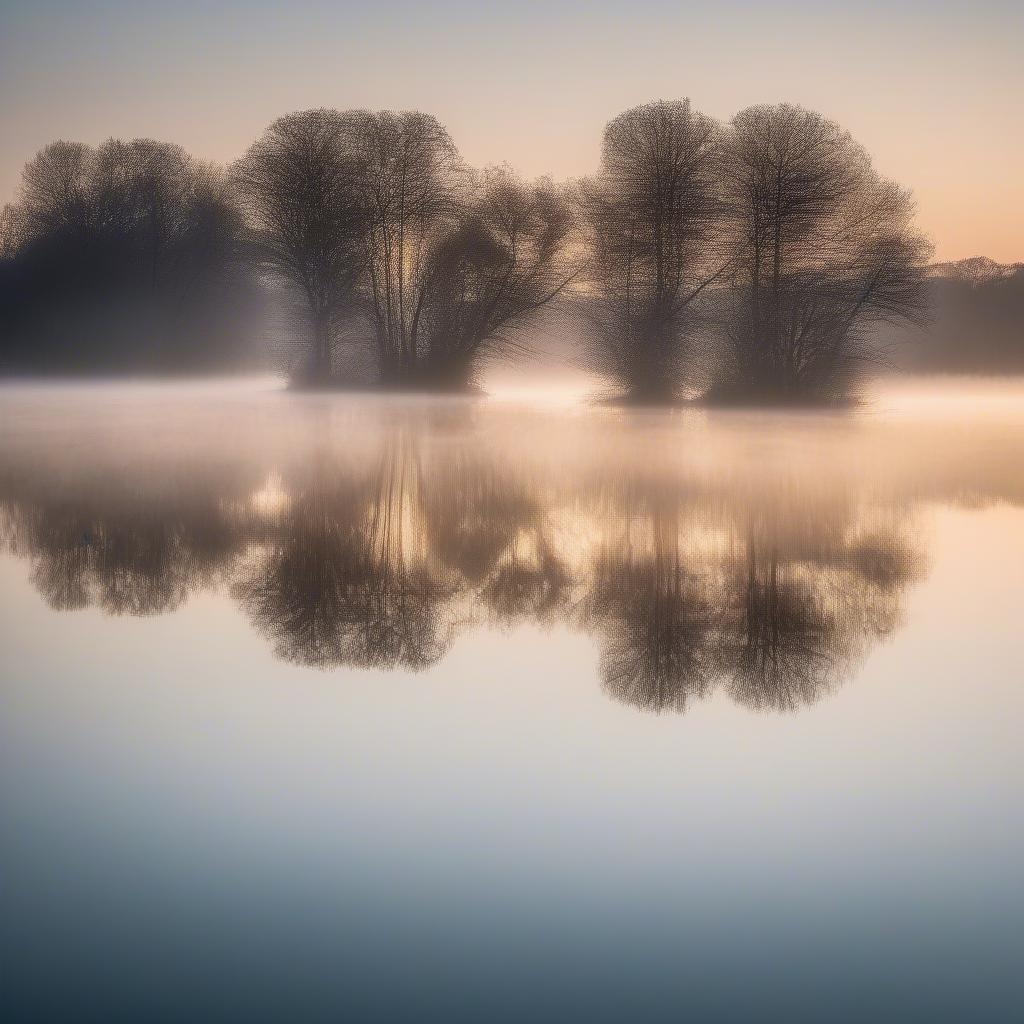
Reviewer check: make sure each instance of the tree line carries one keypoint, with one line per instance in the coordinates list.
(754, 260)
(121, 257)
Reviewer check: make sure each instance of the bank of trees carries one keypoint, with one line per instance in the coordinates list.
(751, 261)
(121, 257)
(755, 262)
(373, 221)
(824, 254)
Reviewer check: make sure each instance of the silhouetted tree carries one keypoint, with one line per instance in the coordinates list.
(490, 277)
(61, 193)
(8, 233)
(771, 248)
(456, 264)
(652, 218)
(299, 187)
(408, 182)
(120, 257)
(824, 253)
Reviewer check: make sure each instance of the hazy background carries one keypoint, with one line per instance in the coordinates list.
(931, 88)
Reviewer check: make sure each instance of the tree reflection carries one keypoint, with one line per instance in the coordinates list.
(381, 558)
(656, 618)
(486, 523)
(776, 607)
(125, 553)
(529, 583)
(802, 620)
(347, 579)
(788, 641)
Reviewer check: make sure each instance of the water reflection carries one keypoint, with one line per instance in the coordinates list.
(128, 548)
(347, 577)
(802, 621)
(695, 561)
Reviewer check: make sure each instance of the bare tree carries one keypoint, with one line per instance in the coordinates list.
(298, 186)
(771, 251)
(9, 232)
(129, 247)
(171, 215)
(456, 263)
(490, 277)
(149, 200)
(652, 217)
(825, 252)
(408, 184)
(55, 191)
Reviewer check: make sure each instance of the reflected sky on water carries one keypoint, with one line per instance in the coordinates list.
(456, 708)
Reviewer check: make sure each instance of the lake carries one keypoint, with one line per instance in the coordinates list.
(354, 707)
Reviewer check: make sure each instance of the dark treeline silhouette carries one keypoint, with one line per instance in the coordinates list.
(824, 253)
(123, 258)
(753, 261)
(654, 219)
(978, 321)
(296, 185)
(382, 234)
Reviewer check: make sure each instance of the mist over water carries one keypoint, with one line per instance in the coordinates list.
(330, 705)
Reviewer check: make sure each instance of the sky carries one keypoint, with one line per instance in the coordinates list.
(934, 90)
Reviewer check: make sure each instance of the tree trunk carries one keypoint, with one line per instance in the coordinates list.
(321, 349)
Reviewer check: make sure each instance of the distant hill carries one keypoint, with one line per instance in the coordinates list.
(975, 269)
(977, 321)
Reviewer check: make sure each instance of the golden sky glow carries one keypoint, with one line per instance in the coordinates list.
(934, 90)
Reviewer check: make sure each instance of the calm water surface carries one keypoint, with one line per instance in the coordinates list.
(321, 707)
